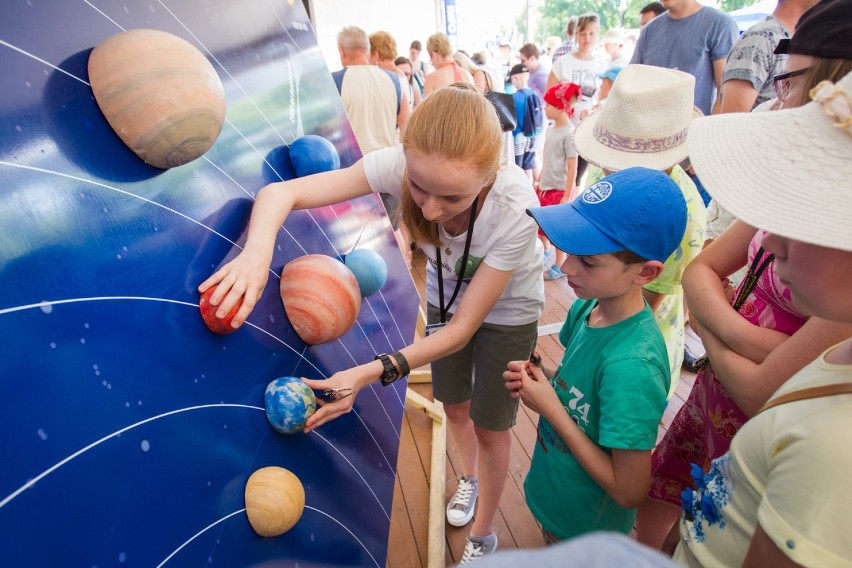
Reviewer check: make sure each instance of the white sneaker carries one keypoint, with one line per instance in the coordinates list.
(460, 508)
(476, 547)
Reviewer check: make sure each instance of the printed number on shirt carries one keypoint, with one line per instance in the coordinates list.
(581, 409)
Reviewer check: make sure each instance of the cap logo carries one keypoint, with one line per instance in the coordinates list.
(597, 193)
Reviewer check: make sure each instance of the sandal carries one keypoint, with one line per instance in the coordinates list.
(553, 273)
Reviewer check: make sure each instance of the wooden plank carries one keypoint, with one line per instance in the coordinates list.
(437, 480)
(513, 507)
(412, 470)
(401, 532)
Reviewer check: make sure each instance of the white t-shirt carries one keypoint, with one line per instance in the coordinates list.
(787, 469)
(583, 73)
(504, 238)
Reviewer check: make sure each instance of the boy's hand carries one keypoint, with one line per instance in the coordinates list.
(512, 376)
(244, 278)
(537, 392)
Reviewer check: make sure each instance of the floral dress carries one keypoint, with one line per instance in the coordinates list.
(704, 427)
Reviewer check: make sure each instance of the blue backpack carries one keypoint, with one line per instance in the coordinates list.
(534, 116)
(529, 113)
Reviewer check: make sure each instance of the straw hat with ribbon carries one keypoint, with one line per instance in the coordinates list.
(644, 123)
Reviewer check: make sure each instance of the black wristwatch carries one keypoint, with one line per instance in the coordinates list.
(390, 374)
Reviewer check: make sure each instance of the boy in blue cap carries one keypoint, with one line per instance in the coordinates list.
(600, 409)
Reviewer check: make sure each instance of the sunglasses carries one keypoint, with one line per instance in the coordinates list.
(784, 83)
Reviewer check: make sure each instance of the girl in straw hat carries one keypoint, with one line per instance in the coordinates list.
(771, 337)
(779, 496)
(468, 216)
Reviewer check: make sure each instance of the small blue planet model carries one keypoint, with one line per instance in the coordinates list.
(313, 154)
(369, 268)
(289, 403)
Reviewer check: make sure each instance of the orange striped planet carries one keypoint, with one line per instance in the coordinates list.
(321, 297)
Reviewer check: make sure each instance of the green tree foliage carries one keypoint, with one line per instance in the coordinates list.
(555, 13)
(731, 5)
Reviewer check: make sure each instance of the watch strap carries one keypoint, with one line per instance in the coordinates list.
(389, 372)
(402, 363)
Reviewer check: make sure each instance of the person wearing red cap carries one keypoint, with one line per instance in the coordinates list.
(559, 168)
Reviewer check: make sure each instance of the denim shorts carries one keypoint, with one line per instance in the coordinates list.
(475, 372)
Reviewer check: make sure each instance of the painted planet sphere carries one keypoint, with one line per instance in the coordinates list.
(313, 154)
(275, 499)
(321, 297)
(289, 402)
(159, 94)
(219, 326)
(369, 268)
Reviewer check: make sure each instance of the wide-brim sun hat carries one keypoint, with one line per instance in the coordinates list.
(787, 171)
(644, 122)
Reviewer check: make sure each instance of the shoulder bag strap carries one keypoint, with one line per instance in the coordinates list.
(804, 394)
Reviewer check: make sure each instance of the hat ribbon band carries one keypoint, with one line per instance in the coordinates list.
(638, 145)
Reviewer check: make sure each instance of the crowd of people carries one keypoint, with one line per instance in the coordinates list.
(664, 220)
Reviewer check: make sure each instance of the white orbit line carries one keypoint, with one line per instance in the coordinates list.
(253, 198)
(347, 530)
(209, 161)
(80, 452)
(40, 60)
(104, 15)
(396, 325)
(213, 57)
(356, 471)
(370, 343)
(305, 359)
(390, 345)
(145, 298)
(90, 299)
(123, 192)
(284, 27)
(361, 420)
(198, 534)
(372, 389)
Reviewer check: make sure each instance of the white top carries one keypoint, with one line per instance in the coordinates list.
(504, 238)
(583, 73)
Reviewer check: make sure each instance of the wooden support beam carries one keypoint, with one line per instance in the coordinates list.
(437, 476)
(419, 376)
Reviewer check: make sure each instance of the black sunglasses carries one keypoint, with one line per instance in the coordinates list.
(783, 84)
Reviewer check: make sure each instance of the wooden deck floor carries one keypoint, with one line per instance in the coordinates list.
(514, 524)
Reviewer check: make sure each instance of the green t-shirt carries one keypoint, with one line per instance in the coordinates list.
(612, 382)
(669, 314)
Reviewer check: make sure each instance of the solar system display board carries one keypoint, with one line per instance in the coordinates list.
(128, 430)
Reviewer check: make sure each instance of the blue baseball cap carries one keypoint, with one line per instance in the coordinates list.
(637, 209)
(610, 74)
